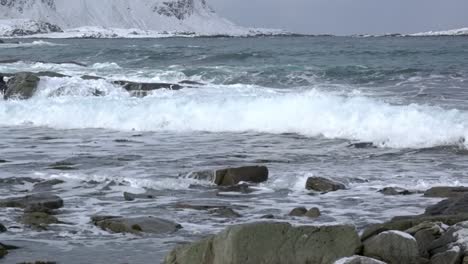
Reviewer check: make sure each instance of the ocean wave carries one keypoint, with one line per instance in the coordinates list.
(246, 108)
(30, 44)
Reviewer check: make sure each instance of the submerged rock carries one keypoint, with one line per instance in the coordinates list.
(446, 192)
(321, 184)
(299, 211)
(133, 196)
(38, 219)
(136, 225)
(2, 228)
(393, 247)
(3, 251)
(142, 89)
(46, 185)
(395, 191)
(35, 202)
(22, 85)
(270, 243)
(233, 176)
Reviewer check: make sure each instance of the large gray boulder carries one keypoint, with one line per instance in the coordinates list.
(135, 225)
(2, 228)
(21, 86)
(425, 234)
(272, 243)
(233, 176)
(321, 184)
(41, 202)
(358, 260)
(394, 247)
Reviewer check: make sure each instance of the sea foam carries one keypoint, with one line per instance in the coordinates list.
(238, 108)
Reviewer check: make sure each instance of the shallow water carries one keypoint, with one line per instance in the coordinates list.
(292, 104)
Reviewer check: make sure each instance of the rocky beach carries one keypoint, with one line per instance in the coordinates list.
(338, 150)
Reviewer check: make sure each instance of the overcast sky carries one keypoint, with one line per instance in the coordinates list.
(343, 17)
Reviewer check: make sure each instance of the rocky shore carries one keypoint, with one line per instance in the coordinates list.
(439, 235)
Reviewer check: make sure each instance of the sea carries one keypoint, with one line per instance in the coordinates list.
(369, 112)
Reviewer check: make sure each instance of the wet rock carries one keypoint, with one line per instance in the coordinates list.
(299, 211)
(446, 192)
(3, 251)
(268, 216)
(225, 213)
(36, 202)
(362, 145)
(2, 228)
(90, 77)
(240, 188)
(393, 247)
(46, 185)
(233, 176)
(425, 233)
(22, 86)
(451, 256)
(358, 260)
(271, 243)
(321, 184)
(191, 83)
(50, 74)
(38, 219)
(313, 213)
(450, 206)
(133, 196)
(2, 42)
(142, 89)
(137, 225)
(19, 181)
(395, 191)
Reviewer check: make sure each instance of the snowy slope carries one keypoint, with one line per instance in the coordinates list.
(147, 15)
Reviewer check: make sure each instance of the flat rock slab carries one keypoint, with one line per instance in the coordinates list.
(270, 242)
(136, 225)
(35, 202)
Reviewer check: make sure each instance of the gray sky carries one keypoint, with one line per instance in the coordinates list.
(343, 17)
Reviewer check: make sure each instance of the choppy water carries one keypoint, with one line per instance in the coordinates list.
(293, 104)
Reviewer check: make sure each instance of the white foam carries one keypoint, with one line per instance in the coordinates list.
(246, 108)
(30, 44)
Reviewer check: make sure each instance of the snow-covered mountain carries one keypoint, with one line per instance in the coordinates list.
(147, 15)
(452, 32)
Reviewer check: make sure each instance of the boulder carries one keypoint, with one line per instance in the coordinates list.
(50, 74)
(38, 219)
(271, 242)
(358, 260)
(34, 203)
(2, 228)
(446, 192)
(21, 86)
(299, 211)
(91, 77)
(1, 41)
(451, 256)
(321, 184)
(233, 176)
(426, 233)
(313, 213)
(393, 247)
(136, 225)
(225, 213)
